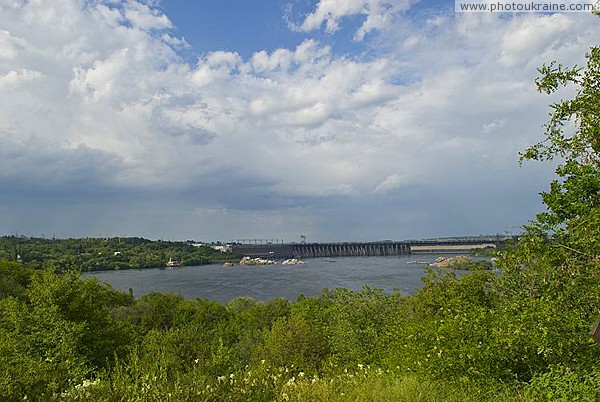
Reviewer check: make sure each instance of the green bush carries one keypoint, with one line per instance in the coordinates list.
(562, 384)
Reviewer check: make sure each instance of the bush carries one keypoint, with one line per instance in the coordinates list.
(562, 384)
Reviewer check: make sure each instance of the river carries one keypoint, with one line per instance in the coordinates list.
(221, 284)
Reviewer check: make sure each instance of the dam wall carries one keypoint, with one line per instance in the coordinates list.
(314, 250)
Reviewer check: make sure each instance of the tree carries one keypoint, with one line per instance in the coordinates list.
(548, 292)
(573, 136)
(14, 278)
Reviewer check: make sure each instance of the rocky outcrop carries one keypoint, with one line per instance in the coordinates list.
(456, 262)
(292, 261)
(255, 261)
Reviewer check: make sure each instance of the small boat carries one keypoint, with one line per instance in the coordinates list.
(173, 263)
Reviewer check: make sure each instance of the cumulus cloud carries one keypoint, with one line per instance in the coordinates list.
(378, 14)
(97, 93)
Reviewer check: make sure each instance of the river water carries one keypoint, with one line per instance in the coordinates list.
(221, 284)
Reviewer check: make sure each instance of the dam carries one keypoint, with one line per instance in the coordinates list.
(314, 250)
(366, 249)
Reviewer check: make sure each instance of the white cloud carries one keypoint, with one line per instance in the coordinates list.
(17, 78)
(490, 127)
(392, 182)
(280, 59)
(105, 98)
(9, 45)
(533, 37)
(144, 17)
(378, 15)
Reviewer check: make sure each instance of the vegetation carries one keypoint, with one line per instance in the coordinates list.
(487, 251)
(478, 337)
(93, 254)
(520, 335)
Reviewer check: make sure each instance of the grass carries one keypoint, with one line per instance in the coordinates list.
(389, 387)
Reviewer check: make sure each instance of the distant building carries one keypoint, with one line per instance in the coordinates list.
(226, 248)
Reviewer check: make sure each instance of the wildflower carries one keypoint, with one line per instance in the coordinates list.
(360, 366)
(196, 361)
(87, 383)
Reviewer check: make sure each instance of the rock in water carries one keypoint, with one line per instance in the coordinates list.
(456, 262)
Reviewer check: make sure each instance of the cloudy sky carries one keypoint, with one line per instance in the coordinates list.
(223, 119)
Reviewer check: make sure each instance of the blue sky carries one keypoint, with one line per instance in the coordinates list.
(242, 26)
(248, 26)
(216, 120)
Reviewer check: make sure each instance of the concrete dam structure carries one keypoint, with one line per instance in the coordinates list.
(367, 249)
(314, 250)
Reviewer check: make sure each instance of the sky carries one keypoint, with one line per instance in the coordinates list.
(339, 120)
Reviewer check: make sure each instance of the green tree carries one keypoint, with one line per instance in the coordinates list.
(14, 278)
(573, 137)
(58, 333)
(292, 342)
(548, 292)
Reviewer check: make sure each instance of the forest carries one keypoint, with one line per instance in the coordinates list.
(99, 254)
(519, 334)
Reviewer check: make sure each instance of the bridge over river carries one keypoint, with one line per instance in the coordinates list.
(367, 249)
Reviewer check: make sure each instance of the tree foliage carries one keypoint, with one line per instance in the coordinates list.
(93, 254)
